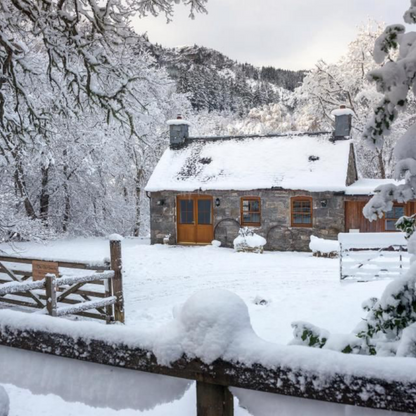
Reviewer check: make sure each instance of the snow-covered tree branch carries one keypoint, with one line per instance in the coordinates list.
(75, 84)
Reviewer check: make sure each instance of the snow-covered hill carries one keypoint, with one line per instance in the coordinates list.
(215, 82)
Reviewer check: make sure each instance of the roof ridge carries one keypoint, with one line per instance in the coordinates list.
(254, 136)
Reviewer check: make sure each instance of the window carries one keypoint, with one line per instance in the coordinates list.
(301, 211)
(204, 211)
(186, 211)
(250, 211)
(392, 217)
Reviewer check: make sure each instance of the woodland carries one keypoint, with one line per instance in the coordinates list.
(84, 102)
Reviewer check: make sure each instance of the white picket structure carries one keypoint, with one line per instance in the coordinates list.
(369, 256)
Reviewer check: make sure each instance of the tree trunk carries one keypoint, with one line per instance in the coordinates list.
(67, 206)
(44, 196)
(381, 166)
(136, 231)
(20, 183)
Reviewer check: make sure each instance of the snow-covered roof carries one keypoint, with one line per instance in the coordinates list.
(302, 162)
(342, 112)
(178, 122)
(367, 186)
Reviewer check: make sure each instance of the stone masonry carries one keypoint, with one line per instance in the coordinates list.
(328, 217)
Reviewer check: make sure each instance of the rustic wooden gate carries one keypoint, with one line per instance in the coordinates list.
(366, 256)
(94, 290)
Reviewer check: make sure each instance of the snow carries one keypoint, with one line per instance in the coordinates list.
(371, 240)
(159, 278)
(115, 237)
(12, 287)
(178, 122)
(342, 112)
(407, 346)
(364, 186)
(252, 241)
(254, 163)
(206, 326)
(323, 246)
(266, 404)
(214, 324)
(72, 380)
(4, 402)
(84, 306)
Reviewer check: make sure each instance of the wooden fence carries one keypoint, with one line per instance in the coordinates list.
(41, 284)
(214, 398)
(368, 256)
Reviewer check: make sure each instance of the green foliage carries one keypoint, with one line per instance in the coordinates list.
(312, 339)
(309, 335)
(347, 350)
(390, 40)
(407, 225)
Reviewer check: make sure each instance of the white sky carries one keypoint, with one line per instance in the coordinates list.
(290, 34)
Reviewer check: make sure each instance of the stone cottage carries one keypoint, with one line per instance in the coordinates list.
(287, 187)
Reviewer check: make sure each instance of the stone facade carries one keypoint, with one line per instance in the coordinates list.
(328, 217)
(352, 171)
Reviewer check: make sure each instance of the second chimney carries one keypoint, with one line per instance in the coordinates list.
(179, 131)
(343, 122)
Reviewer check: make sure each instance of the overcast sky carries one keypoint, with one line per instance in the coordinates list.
(290, 34)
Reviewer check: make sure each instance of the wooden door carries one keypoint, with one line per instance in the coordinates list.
(195, 219)
(186, 224)
(204, 227)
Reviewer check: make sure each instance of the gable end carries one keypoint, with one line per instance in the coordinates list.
(352, 172)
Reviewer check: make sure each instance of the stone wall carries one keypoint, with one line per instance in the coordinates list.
(328, 217)
(352, 172)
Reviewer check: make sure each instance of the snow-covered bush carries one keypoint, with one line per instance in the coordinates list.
(209, 325)
(4, 402)
(308, 335)
(381, 332)
(324, 248)
(249, 241)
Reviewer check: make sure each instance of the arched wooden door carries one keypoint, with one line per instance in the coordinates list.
(195, 219)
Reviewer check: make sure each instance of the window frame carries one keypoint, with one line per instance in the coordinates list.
(249, 198)
(292, 211)
(395, 205)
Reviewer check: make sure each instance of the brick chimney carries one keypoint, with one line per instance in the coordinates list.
(343, 122)
(179, 131)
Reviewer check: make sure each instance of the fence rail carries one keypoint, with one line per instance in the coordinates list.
(213, 380)
(369, 256)
(97, 295)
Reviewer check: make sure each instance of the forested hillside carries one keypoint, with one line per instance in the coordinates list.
(215, 82)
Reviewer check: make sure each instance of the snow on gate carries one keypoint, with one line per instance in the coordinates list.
(367, 256)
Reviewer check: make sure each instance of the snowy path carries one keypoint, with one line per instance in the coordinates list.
(157, 278)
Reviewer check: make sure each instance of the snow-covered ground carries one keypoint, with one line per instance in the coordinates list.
(295, 286)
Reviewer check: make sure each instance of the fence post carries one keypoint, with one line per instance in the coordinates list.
(51, 304)
(213, 400)
(116, 266)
